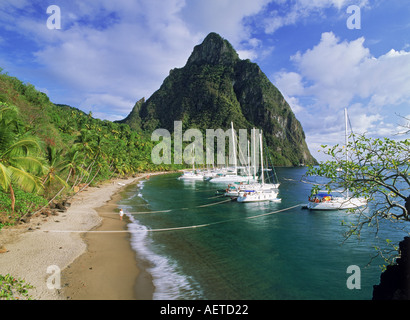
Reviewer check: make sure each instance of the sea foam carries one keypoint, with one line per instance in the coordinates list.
(169, 282)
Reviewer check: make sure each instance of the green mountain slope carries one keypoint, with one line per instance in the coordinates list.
(49, 150)
(216, 87)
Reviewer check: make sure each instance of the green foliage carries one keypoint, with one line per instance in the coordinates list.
(13, 289)
(49, 150)
(25, 203)
(377, 169)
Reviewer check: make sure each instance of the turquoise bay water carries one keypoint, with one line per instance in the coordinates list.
(292, 254)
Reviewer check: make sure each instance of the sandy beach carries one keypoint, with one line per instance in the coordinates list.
(62, 260)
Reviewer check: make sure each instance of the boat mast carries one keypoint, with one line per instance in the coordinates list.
(260, 138)
(254, 152)
(346, 142)
(193, 160)
(249, 159)
(346, 135)
(234, 149)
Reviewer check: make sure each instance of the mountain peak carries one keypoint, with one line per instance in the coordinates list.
(214, 50)
(216, 88)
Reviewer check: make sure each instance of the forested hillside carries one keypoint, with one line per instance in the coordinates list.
(49, 150)
(215, 88)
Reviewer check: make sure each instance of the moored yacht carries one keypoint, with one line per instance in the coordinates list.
(255, 195)
(262, 191)
(326, 201)
(235, 189)
(191, 175)
(232, 176)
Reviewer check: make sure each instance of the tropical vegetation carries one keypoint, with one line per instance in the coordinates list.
(49, 151)
(13, 289)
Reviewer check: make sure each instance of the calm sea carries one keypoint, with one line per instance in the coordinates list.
(246, 250)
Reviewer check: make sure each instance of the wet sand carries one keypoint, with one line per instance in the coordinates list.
(109, 269)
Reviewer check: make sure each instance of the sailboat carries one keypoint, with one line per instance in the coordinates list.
(259, 192)
(232, 176)
(234, 189)
(327, 201)
(192, 175)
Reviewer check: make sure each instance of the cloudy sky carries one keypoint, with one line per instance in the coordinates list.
(323, 55)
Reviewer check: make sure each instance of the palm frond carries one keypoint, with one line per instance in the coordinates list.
(23, 147)
(30, 164)
(54, 177)
(7, 136)
(5, 177)
(7, 111)
(25, 180)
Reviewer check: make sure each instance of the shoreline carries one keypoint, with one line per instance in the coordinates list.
(82, 258)
(108, 267)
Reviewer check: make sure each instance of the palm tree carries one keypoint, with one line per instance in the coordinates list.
(19, 161)
(57, 165)
(72, 164)
(20, 166)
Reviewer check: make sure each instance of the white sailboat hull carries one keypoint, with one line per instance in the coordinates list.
(337, 203)
(232, 179)
(257, 196)
(235, 192)
(191, 176)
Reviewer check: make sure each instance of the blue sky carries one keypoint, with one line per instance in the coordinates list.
(109, 54)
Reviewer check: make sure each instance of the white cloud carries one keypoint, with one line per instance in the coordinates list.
(254, 49)
(337, 71)
(126, 48)
(93, 100)
(13, 5)
(335, 74)
(295, 105)
(277, 20)
(229, 19)
(225, 17)
(386, 79)
(299, 10)
(123, 48)
(111, 53)
(333, 68)
(291, 82)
